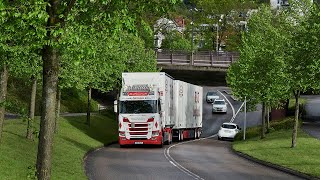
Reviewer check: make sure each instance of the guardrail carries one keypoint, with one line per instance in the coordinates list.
(199, 58)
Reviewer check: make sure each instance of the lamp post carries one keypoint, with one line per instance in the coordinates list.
(192, 31)
(217, 38)
(243, 23)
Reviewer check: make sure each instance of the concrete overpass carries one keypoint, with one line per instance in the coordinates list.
(202, 68)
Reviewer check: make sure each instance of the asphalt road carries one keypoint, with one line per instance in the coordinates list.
(206, 158)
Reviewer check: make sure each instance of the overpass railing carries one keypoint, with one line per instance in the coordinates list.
(199, 58)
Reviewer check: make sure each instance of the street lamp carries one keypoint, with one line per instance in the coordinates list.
(217, 34)
(243, 23)
(192, 26)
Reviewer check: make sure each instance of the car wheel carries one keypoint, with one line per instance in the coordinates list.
(219, 138)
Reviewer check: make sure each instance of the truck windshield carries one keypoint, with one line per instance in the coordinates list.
(136, 107)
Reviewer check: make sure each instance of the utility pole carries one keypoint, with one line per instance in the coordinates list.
(217, 40)
(192, 33)
(245, 118)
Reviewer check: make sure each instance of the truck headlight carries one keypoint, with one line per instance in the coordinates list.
(155, 133)
(122, 133)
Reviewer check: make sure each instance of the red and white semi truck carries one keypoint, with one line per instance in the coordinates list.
(153, 108)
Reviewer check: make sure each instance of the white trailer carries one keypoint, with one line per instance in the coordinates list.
(187, 106)
(152, 105)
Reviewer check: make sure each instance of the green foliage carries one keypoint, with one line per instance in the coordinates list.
(22, 34)
(259, 74)
(225, 14)
(98, 59)
(176, 41)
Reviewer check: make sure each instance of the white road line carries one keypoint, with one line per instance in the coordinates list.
(179, 166)
(233, 111)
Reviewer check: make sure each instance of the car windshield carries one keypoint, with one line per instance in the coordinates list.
(211, 94)
(229, 126)
(219, 102)
(136, 107)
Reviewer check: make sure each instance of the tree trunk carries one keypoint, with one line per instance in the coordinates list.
(3, 94)
(268, 118)
(47, 124)
(32, 108)
(263, 118)
(287, 107)
(56, 125)
(296, 119)
(89, 105)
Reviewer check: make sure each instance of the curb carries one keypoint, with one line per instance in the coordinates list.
(274, 166)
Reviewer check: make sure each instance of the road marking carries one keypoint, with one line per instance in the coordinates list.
(179, 166)
(233, 111)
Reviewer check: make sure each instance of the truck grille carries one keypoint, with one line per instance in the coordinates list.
(139, 130)
(138, 133)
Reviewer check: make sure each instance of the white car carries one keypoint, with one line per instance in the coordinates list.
(219, 105)
(211, 96)
(228, 131)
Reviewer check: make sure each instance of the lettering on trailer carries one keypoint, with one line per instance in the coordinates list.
(196, 111)
(138, 98)
(181, 91)
(138, 90)
(196, 97)
(138, 93)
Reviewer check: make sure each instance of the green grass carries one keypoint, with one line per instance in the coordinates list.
(71, 143)
(275, 148)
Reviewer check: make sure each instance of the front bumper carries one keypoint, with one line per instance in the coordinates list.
(219, 110)
(154, 140)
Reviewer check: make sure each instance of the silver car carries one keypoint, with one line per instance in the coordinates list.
(219, 105)
(211, 96)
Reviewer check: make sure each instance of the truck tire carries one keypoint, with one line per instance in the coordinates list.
(162, 142)
(181, 135)
(198, 133)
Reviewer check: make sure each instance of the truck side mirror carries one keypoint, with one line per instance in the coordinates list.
(115, 106)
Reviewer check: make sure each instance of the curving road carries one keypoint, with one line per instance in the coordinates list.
(206, 158)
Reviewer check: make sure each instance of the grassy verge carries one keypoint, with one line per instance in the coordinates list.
(276, 149)
(71, 143)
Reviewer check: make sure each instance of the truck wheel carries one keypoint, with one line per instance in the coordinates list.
(162, 142)
(195, 134)
(181, 135)
(198, 133)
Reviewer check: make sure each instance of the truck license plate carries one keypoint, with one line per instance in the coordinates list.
(138, 142)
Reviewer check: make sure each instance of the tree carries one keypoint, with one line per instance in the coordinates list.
(176, 41)
(302, 59)
(259, 74)
(222, 18)
(118, 15)
(19, 23)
